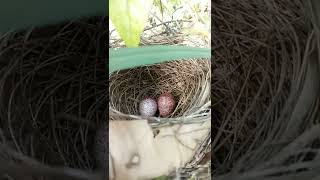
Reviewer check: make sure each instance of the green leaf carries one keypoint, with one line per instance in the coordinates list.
(125, 58)
(129, 17)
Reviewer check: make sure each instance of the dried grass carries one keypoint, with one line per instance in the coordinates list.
(264, 101)
(52, 93)
(188, 81)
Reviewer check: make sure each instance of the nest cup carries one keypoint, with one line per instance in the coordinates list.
(189, 83)
(187, 80)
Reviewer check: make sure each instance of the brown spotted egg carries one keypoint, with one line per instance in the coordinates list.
(166, 104)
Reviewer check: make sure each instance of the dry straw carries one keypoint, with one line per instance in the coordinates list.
(188, 81)
(266, 91)
(52, 93)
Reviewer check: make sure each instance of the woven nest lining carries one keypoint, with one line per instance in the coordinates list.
(188, 81)
(261, 111)
(52, 87)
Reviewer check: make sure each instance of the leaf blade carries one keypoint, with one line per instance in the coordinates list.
(125, 58)
(129, 17)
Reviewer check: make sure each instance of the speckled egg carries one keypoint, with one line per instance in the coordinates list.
(166, 104)
(148, 107)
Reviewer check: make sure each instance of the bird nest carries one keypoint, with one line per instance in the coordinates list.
(52, 92)
(265, 88)
(187, 80)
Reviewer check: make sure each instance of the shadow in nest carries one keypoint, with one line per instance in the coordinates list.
(258, 48)
(53, 93)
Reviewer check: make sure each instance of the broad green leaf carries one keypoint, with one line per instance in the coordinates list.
(129, 17)
(125, 58)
